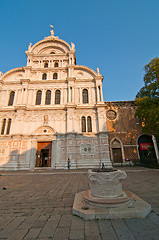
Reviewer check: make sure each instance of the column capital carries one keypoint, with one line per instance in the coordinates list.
(98, 79)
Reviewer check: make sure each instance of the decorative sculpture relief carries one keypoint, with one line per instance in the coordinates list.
(45, 119)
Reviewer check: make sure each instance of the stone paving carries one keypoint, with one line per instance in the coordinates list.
(38, 205)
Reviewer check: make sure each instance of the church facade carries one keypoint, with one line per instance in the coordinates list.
(52, 110)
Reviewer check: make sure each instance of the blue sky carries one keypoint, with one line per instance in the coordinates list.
(118, 36)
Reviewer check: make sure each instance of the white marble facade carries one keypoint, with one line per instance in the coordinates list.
(52, 100)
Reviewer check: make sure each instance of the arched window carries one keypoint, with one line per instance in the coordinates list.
(55, 76)
(48, 97)
(56, 64)
(99, 90)
(8, 126)
(83, 124)
(57, 96)
(85, 95)
(3, 126)
(11, 98)
(46, 65)
(38, 97)
(89, 124)
(52, 53)
(70, 94)
(44, 76)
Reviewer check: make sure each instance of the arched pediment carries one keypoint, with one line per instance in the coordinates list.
(14, 74)
(83, 72)
(44, 130)
(49, 45)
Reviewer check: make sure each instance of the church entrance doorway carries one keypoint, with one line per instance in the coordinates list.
(43, 158)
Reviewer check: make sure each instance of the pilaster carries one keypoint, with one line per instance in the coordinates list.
(70, 119)
(101, 118)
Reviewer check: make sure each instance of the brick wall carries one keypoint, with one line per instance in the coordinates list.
(122, 125)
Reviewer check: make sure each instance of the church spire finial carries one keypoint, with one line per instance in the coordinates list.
(52, 30)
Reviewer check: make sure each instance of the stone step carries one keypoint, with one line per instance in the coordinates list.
(81, 165)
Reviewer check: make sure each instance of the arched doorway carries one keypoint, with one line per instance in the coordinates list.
(146, 149)
(44, 135)
(116, 151)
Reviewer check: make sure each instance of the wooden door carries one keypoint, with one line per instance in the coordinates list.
(43, 156)
(117, 155)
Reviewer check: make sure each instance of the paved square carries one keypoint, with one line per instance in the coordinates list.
(38, 205)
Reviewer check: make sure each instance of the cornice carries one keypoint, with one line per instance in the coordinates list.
(49, 69)
(46, 55)
(90, 106)
(30, 82)
(84, 80)
(120, 104)
(18, 81)
(7, 109)
(47, 81)
(98, 78)
(100, 104)
(70, 105)
(25, 80)
(46, 107)
(69, 79)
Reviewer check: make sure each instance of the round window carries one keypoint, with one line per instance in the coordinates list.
(111, 114)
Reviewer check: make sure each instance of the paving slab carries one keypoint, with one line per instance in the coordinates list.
(121, 229)
(38, 205)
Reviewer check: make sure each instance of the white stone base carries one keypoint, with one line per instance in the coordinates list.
(137, 208)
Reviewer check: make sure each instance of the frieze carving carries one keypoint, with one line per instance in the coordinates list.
(34, 118)
(20, 118)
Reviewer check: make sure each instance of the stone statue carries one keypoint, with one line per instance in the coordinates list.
(72, 46)
(45, 118)
(52, 30)
(98, 71)
(29, 47)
